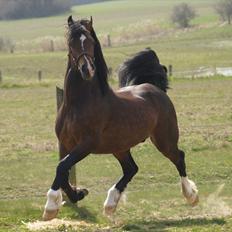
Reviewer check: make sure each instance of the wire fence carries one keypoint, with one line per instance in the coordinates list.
(204, 72)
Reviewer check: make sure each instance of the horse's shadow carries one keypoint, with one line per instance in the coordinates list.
(82, 213)
(164, 224)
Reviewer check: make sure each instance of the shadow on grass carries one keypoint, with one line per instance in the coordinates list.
(82, 213)
(163, 225)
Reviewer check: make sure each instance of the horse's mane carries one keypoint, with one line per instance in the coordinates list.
(100, 63)
(143, 67)
(101, 68)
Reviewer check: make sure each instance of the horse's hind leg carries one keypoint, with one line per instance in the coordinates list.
(166, 142)
(129, 168)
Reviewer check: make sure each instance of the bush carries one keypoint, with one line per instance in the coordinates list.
(224, 9)
(182, 14)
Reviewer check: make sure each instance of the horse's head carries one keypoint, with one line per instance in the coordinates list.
(81, 47)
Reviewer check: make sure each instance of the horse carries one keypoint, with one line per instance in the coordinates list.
(95, 119)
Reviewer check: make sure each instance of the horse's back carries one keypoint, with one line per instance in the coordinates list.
(148, 92)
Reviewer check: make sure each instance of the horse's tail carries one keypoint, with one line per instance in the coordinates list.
(144, 67)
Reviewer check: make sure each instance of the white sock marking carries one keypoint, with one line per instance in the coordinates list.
(189, 189)
(54, 200)
(113, 197)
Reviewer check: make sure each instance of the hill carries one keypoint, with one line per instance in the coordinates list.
(131, 27)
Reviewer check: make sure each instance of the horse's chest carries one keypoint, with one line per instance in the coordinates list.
(75, 128)
(70, 132)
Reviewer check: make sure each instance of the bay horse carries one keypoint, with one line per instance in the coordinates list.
(96, 119)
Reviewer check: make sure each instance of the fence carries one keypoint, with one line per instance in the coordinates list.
(204, 72)
(40, 75)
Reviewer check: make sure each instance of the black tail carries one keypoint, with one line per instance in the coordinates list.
(144, 67)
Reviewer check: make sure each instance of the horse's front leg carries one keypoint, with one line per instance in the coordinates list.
(71, 191)
(54, 195)
(129, 168)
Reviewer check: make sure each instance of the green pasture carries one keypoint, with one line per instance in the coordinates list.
(28, 157)
(182, 52)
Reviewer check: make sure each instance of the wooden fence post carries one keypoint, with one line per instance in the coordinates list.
(169, 70)
(52, 46)
(59, 100)
(0, 76)
(108, 41)
(39, 75)
(110, 70)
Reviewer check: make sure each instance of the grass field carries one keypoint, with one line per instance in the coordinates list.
(28, 146)
(28, 158)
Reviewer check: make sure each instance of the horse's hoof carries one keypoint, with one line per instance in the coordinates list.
(50, 214)
(53, 204)
(82, 193)
(194, 201)
(189, 190)
(109, 210)
(111, 201)
(77, 194)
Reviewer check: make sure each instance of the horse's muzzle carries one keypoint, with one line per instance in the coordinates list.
(88, 69)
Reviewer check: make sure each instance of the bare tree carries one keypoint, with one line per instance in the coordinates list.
(182, 14)
(224, 9)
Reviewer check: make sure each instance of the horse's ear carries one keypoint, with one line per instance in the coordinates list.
(70, 20)
(90, 24)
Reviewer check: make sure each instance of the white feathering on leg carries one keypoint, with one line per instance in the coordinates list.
(112, 200)
(53, 204)
(54, 200)
(189, 190)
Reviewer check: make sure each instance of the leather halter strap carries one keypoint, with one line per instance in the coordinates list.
(77, 59)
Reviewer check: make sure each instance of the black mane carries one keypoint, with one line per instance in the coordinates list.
(77, 28)
(100, 63)
(143, 67)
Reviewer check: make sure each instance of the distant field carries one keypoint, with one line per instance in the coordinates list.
(183, 52)
(132, 27)
(109, 17)
(125, 22)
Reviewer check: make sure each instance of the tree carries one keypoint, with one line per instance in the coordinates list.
(16, 9)
(182, 14)
(224, 9)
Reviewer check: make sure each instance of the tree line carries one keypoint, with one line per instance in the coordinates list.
(181, 14)
(17, 9)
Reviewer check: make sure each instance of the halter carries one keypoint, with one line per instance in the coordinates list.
(77, 59)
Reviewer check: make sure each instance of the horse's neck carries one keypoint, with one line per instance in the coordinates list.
(78, 91)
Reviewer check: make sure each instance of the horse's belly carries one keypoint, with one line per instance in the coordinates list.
(120, 140)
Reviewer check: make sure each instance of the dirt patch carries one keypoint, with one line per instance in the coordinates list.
(216, 206)
(56, 224)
